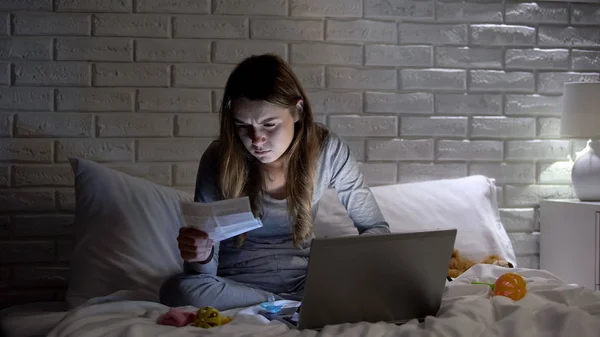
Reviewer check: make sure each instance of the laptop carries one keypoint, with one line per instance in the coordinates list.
(392, 278)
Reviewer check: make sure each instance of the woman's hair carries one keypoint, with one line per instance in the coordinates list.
(269, 78)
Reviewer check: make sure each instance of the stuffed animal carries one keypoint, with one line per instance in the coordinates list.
(459, 265)
(209, 317)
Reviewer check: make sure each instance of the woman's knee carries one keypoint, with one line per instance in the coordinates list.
(187, 289)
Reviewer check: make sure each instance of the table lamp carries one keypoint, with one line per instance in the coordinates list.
(580, 118)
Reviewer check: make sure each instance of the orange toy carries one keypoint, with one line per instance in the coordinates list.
(511, 285)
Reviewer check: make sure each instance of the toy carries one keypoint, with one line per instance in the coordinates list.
(459, 265)
(511, 285)
(209, 317)
(176, 317)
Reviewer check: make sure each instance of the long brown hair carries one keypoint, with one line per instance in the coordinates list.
(269, 78)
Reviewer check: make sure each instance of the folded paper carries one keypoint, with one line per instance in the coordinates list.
(222, 219)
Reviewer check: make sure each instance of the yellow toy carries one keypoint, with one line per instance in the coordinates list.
(209, 317)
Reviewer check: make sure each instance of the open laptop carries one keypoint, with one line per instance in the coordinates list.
(388, 277)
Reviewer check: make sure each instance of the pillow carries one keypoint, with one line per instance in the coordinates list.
(468, 204)
(126, 234)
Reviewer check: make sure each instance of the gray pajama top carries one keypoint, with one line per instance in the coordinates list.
(268, 259)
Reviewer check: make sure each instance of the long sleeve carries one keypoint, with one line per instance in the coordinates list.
(207, 191)
(352, 190)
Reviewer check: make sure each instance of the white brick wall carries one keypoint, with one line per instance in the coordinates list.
(420, 89)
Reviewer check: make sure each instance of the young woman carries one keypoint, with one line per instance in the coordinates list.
(270, 149)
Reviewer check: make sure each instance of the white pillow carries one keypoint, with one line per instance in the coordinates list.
(468, 204)
(126, 234)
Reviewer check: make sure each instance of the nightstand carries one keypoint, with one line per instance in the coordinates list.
(570, 241)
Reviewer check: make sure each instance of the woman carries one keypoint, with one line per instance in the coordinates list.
(270, 149)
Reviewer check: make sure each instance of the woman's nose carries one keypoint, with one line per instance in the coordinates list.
(258, 137)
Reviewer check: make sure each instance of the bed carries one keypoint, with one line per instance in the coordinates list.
(125, 234)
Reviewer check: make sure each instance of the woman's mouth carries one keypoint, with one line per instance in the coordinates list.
(261, 152)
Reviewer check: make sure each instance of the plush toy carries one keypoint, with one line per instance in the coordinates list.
(209, 317)
(459, 265)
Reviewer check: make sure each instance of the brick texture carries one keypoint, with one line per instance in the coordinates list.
(419, 89)
(30, 5)
(148, 25)
(250, 7)
(26, 48)
(134, 125)
(277, 29)
(131, 75)
(361, 30)
(94, 49)
(5, 73)
(326, 8)
(216, 27)
(53, 125)
(180, 50)
(411, 9)
(321, 53)
(472, 11)
(55, 73)
(4, 24)
(98, 6)
(172, 6)
(55, 24)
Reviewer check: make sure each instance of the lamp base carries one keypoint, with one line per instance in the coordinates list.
(586, 172)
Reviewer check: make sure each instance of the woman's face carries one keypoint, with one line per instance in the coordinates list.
(266, 130)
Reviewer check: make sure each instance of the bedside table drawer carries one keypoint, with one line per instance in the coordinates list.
(597, 254)
(570, 232)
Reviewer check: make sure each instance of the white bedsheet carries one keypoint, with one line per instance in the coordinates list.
(551, 308)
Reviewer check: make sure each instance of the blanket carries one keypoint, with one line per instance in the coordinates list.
(550, 308)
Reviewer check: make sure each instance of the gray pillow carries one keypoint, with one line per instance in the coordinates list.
(126, 234)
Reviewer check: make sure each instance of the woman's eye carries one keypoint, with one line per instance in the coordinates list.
(270, 125)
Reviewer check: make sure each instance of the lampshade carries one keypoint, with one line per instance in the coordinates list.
(580, 116)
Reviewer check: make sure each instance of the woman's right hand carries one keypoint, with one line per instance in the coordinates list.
(194, 245)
